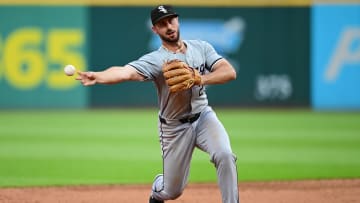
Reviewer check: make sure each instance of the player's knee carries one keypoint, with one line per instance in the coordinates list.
(169, 193)
(223, 157)
(174, 194)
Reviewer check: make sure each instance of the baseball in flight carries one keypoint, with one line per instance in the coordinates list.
(69, 70)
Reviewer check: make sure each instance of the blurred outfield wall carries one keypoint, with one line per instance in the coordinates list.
(277, 47)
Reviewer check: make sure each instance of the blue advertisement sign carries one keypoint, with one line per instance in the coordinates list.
(226, 36)
(336, 57)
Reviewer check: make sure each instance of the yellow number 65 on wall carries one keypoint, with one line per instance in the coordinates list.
(33, 57)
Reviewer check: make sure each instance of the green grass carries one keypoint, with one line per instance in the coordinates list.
(119, 146)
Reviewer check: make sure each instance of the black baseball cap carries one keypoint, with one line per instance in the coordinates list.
(162, 11)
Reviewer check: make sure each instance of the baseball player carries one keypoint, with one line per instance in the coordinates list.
(180, 70)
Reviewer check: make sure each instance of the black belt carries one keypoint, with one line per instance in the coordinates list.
(189, 119)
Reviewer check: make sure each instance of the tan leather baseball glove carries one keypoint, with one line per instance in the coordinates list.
(179, 76)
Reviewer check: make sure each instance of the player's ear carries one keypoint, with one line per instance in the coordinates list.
(153, 28)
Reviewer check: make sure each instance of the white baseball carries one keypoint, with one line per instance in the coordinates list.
(69, 70)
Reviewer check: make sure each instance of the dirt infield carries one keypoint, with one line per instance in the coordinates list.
(311, 191)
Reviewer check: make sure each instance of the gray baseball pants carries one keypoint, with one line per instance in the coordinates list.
(178, 141)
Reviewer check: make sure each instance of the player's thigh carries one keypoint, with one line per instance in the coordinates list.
(211, 134)
(176, 141)
(177, 145)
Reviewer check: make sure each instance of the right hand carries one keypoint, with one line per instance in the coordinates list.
(86, 78)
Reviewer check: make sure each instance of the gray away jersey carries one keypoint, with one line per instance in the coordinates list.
(199, 55)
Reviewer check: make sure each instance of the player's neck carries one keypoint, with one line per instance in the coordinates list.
(176, 47)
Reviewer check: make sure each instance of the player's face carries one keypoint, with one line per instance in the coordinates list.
(168, 29)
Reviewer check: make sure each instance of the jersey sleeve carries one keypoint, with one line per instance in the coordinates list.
(211, 56)
(147, 66)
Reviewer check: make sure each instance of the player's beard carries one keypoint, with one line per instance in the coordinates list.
(169, 39)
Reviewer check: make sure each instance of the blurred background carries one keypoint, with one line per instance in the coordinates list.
(292, 53)
(292, 113)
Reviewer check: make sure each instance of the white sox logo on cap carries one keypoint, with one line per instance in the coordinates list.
(162, 9)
